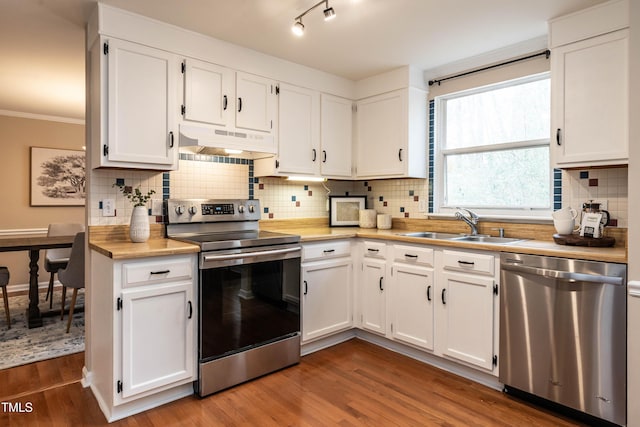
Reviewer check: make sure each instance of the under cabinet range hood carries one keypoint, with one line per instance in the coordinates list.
(212, 139)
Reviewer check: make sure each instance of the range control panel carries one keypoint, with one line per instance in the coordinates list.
(180, 211)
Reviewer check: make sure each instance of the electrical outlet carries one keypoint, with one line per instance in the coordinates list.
(156, 207)
(108, 207)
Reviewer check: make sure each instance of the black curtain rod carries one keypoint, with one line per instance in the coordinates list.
(546, 53)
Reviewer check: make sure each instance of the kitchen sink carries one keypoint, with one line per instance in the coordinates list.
(487, 239)
(462, 237)
(432, 235)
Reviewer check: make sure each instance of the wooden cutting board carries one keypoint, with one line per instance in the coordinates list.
(575, 240)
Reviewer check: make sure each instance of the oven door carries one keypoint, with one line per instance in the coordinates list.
(248, 297)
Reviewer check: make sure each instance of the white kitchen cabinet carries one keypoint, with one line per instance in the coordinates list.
(327, 289)
(373, 288)
(256, 103)
(336, 134)
(392, 135)
(143, 321)
(209, 93)
(412, 293)
(314, 135)
(467, 308)
(590, 91)
(137, 96)
(298, 131)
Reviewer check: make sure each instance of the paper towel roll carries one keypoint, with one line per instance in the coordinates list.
(367, 218)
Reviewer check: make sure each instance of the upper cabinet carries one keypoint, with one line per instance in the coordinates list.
(590, 86)
(222, 108)
(208, 93)
(314, 135)
(391, 129)
(134, 94)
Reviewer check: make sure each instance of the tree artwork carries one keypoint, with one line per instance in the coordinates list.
(58, 177)
(63, 177)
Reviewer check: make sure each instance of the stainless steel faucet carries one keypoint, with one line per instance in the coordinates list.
(471, 220)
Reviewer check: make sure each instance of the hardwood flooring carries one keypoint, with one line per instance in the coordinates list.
(351, 384)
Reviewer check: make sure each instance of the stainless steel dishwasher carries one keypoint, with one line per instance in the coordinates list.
(563, 332)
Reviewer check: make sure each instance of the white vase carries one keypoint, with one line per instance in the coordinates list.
(139, 226)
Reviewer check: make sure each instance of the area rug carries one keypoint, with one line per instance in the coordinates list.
(20, 345)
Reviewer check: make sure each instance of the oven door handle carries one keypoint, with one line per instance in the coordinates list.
(249, 254)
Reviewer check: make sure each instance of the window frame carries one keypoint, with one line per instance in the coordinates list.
(439, 206)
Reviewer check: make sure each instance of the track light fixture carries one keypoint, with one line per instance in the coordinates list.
(298, 26)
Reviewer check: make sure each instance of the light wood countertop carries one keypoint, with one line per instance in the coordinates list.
(311, 232)
(113, 241)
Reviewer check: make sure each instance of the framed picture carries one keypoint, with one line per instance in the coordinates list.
(57, 177)
(344, 211)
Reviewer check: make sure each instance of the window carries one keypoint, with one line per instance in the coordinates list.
(492, 148)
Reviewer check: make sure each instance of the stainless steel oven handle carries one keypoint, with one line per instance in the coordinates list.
(249, 254)
(565, 275)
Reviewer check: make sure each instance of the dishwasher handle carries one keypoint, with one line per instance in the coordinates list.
(564, 275)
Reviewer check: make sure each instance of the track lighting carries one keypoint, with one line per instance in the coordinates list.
(329, 14)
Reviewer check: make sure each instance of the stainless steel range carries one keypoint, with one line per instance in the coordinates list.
(248, 291)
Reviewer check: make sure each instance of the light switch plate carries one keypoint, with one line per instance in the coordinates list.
(108, 207)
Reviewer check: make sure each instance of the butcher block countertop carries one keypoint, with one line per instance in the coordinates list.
(539, 237)
(113, 241)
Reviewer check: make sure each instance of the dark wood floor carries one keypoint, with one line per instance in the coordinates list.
(351, 384)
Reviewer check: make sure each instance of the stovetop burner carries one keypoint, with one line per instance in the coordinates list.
(215, 224)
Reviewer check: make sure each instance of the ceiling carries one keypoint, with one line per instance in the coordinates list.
(42, 49)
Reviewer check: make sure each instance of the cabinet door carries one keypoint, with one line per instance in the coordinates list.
(590, 89)
(411, 304)
(373, 295)
(256, 102)
(141, 98)
(299, 130)
(326, 298)
(208, 93)
(157, 336)
(336, 134)
(467, 302)
(382, 135)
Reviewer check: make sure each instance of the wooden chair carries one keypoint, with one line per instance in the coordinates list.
(55, 259)
(73, 275)
(4, 281)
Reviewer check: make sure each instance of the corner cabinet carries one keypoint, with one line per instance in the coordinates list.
(133, 106)
(590, 97)
(327, 289)
(143, 328)
(392, 135)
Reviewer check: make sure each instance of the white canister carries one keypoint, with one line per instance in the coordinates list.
(367, 218)
(384, 221)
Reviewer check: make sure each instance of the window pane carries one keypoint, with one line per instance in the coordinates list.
(509, 114)
(499, 179)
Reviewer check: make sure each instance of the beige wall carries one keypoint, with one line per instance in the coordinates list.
(16, 136)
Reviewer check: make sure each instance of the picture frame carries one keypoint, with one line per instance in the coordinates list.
(58, 177)
(344, 211)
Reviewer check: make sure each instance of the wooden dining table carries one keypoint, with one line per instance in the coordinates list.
(33, 243)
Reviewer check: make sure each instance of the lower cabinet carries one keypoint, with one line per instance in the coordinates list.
(373, 295)
(143, 327)
(327, 289)
(467, 308)
(412, 291)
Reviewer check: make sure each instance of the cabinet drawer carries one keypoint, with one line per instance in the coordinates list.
(375, 249)
(331, 249)
(157, 271)
(413, 255)
(471, 262)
